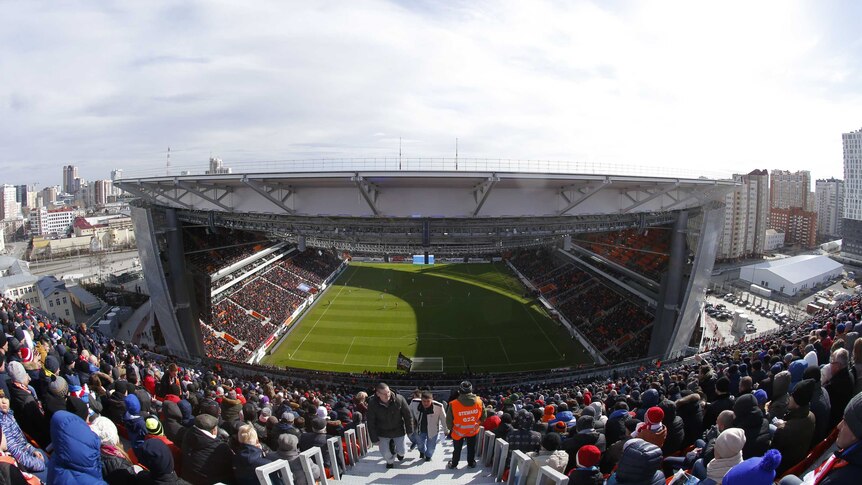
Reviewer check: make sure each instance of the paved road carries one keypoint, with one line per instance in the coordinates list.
(116, 263)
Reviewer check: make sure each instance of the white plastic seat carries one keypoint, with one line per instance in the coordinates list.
(264, 471)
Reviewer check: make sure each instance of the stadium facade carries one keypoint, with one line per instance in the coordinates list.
(452, 214)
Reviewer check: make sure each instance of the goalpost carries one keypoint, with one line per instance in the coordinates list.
(427, 364)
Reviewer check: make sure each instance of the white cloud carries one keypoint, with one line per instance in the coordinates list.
(733, 86)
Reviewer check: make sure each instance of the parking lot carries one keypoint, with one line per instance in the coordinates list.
(719, 317)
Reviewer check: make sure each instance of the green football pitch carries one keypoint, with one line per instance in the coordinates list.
(449, 316)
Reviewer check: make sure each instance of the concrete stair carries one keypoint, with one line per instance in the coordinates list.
(371, 469)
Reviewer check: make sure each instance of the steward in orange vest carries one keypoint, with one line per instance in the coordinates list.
(465, 416)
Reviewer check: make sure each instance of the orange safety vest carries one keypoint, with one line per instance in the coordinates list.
(465, 419)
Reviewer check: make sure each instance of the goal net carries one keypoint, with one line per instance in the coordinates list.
(427, 364)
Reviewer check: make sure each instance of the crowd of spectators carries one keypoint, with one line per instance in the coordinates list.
(267, 299)
(77, 407)
(285, 279)
(645, 253)
(313, 265)
(605, 317)
(212, 252)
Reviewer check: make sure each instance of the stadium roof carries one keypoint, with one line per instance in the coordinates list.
(799, 268)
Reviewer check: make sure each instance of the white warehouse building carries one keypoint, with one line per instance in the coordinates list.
(789, 276)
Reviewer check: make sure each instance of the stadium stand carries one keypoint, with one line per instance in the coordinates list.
(609, 319)
(645, 253)
(150, 409)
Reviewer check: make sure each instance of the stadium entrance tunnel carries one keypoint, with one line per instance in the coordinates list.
(452, 317)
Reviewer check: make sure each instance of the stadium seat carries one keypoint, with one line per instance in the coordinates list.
(519, 468)
(263, 472)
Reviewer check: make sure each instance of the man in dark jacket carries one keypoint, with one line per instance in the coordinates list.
(157, 457)
(675, 428)
(820, 406)
(689, 409)
(206, 459)
(172, 422)
(615, 428)
(840, 386)
(389, 420)
(793, 436)
(723, 401)
(749, 417)
(523, 437)
(316, 437)
(583, 434)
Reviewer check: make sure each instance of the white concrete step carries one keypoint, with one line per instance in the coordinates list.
(413, 470)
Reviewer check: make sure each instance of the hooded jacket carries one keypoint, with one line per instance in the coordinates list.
(793, 439)
(728, 453)
(75, 460)
(688, 408)
(780, 397)
(796, 369)
(638, 465)
(171, 420)
(206, 459)
(750, 418)
(615, 428)
(156, 456)
(675, 428)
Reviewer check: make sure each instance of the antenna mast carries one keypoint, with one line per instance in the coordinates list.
(456, 154)
(399, 153)
(168, 163)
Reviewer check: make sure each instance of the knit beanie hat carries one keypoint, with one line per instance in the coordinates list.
(754, 471)
(106, 430)
(560, 427)
(465, 387)
(584, 423)
(133, 405)
(16, 372)
(588, 456)
(58, 387)
(853, 416)
(729, 443)
(722, 385)
(654, 416)
(318, 424)
(803, 392)
(761, 396)
(154, 427)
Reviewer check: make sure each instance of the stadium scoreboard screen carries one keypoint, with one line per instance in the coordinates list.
(420, 259)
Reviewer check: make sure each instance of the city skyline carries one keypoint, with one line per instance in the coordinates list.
(654, 84)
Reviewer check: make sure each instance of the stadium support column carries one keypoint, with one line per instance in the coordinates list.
(671, 292)
(149, 233)
(181, 283)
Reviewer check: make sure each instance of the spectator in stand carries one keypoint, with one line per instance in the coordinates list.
(581, 435)
(317, 437)
(820, 406)
(170, 383)
(795, 429)
(28, 410)
(639, 464)
(389, 420)
(551, 443)
(206, 459)
(845, 465)
(652, 430)
(75, 459)
(287, 450)
(727, 452)
(840, 384)
(587, 471)
(156, 456)
(749, 417)
(29, 458)
(522, 437)
(249, 456)
(117, 467)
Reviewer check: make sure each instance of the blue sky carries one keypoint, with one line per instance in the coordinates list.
(726, 86)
